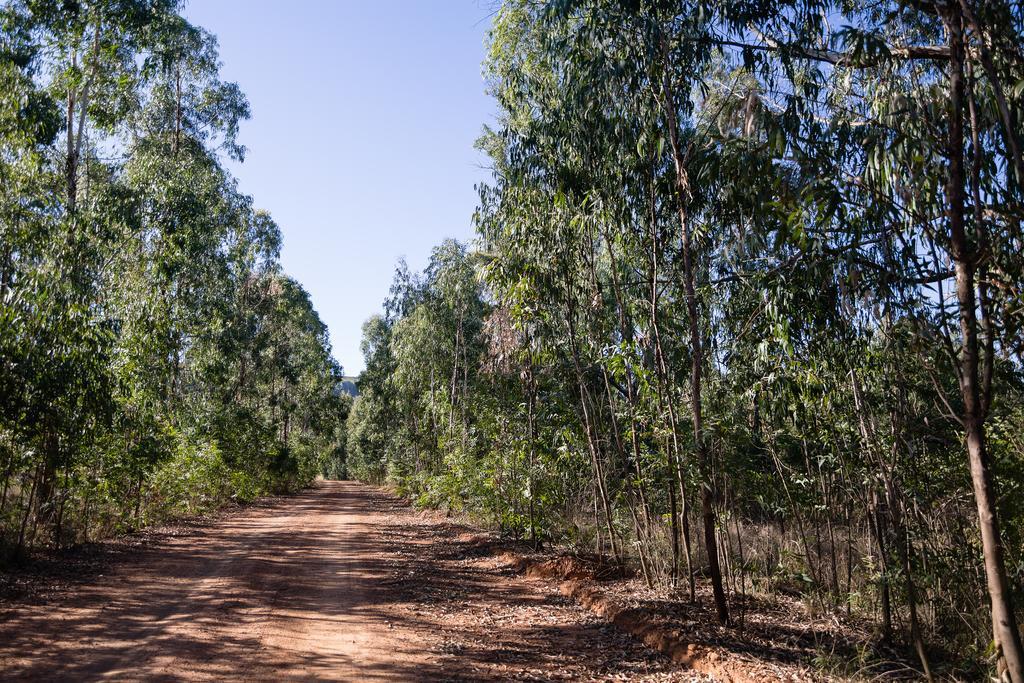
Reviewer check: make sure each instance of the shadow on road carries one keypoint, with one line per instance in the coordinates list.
(341, 582)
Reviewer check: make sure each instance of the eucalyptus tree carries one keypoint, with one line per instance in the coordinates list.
(80, 55)
(914, 144)
(614, 111)
(154, 358)
(730, 198)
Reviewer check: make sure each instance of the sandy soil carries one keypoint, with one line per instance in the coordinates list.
(341, 582)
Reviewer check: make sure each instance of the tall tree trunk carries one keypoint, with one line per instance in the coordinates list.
(643, 521)
(877, 530)
(177, 110)
(71, 164)
(28, 511)
(707, 498)
(531, 407)
(138, 501)
(589, 429)
(8, 470)
(666, 397)
(905, 548)
(1004, 622)
(81, 102)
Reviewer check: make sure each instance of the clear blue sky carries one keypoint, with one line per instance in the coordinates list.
(364, 115)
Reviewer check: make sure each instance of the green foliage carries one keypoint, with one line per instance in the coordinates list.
(812, 392)
(154, 361)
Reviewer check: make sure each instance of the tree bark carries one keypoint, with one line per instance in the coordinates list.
(964, 255)
(703, 456)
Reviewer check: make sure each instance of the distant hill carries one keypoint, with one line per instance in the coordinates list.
(348, 385)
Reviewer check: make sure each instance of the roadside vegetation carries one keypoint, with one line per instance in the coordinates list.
(154, 360)
(744, 311)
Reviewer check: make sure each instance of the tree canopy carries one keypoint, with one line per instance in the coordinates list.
(754, 266)
(154, 359)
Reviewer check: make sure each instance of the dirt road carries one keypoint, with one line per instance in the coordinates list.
(341, 582)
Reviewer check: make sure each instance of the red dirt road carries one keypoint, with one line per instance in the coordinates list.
(341, 582)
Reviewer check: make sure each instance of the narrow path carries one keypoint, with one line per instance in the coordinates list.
(341, 582)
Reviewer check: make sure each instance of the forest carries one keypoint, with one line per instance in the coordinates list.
(155, 361)
(744, 311)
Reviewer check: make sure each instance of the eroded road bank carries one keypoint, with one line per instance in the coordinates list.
(341, 582)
